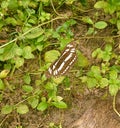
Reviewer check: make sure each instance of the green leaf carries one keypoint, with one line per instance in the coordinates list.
(49, 86)
(51, 56)
(2, 86)
(97, 53)
(100, 4)
(40, 47)
(27, 52)
(63, 42)
(87, 20)
(13, 4)
(91, 82)
(113, 89)
(113, 74)
(27, 88)
(9, 51)
(27, 78)
(108, 48)
(6, 109)
(90, 31)
(58, 80)
(101, 25)
(22, 109)
(19, 51)
(11, 20)
(4, 73)
(35, 33)
(33, 101)
(60, 104)
(82, 61)
(19, 62)
(95, 72)
(104, 82)
(4, 4)
(105, 56)
(42, 106)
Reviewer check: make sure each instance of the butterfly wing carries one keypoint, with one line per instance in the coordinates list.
(64, 62)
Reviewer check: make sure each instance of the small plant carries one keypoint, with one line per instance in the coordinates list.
(44, 93)
(110, 7)
(105, 74)
(94, 25)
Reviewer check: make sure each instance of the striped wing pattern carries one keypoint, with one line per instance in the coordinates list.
(64, 62)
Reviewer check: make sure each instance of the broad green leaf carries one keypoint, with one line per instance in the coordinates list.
(13, 4)
(19, 62)
(9, 51)
(113, 74)
(114, 82)
(40, 39)
(51, 56)
(4, 4)
(91, 82)
(35, 33)
(33, 101)
(32, 20)
(87, 20)
(44, 16)
(27, 78)
(82, 61)
(58, 80)
(1, 50)
(106, 56)
(100, 25)
(111, 8)
(49, 86)
(90, 31)
(11, 20)
(27, 52)
(108, 48)
(69, 23)
(19, 51)
(113, 89)
(63, 42)
(100, 4)
(4, 73)
(95, 72)
(2, 86)
(6, 109)
(42, 106)
(98, 53)
(104, 82)
(43, 78)
(60, 104)
(22, 109)
(27, 88)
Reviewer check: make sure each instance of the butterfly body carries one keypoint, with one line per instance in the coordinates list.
(64, 62)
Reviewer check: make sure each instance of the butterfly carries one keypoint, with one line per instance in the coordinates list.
(64, 62)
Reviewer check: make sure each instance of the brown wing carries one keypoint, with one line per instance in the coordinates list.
(64, 62)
